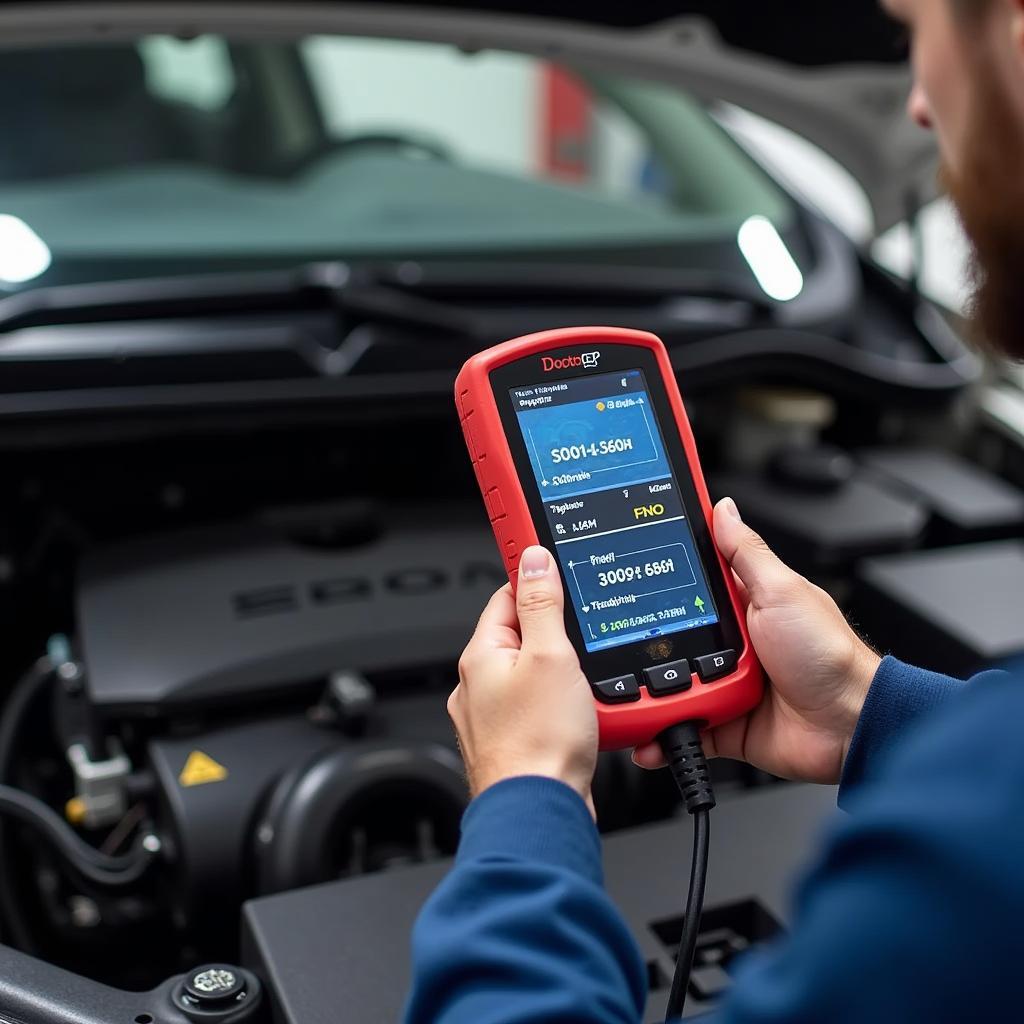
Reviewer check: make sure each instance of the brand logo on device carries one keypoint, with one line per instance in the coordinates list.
(588, 361)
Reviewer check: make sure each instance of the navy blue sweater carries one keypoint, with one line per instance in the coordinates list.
(911, 912)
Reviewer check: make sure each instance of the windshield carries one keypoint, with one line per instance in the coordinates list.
(182, 155)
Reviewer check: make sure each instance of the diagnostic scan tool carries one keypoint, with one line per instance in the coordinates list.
(580, 443)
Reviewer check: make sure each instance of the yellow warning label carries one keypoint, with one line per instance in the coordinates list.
(200, 769)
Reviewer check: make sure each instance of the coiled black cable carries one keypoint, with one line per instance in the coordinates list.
(684, 753)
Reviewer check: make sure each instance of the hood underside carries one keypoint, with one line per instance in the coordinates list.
(835, 74)
(801, 32)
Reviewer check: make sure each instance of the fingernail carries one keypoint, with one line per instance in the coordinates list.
(729, 506)
(535, 563)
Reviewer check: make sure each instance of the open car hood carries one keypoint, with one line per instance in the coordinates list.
(835, 74)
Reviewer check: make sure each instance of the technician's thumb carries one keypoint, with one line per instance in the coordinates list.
(758, 567)
(539, 603)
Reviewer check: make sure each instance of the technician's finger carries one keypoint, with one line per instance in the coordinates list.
(455, 705)
(499, 611)
(498, 623)
(539, 603)
(757, 566)
(741, 590)
(649, 757)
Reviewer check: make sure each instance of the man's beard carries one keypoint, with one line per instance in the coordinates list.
(989, 195)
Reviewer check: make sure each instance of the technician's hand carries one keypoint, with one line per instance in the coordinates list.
(523, 705)
(819, 669)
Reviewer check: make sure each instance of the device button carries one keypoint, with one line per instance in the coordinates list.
(495, 506)
(673, 677)
(471, 441)
(714, 666)
(621, 690)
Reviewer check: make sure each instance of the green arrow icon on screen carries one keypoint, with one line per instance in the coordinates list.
(699, 602)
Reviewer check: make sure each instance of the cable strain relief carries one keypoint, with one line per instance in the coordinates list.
(684, 752)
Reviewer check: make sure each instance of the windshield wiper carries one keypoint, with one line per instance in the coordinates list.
(353, 295)
(424, 296)
(594, 282)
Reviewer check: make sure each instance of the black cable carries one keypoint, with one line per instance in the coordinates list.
(87, 861)
(16, 708)
(90, 864)
(685, 756)
(691, 922)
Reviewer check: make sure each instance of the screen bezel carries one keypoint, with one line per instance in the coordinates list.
(639, 654)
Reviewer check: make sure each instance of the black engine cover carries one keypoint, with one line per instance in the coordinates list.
(182, 621)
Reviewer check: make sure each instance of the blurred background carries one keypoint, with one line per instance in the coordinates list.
(244, 249)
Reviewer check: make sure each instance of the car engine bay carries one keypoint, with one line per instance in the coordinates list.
(241, 543)
(236, 627)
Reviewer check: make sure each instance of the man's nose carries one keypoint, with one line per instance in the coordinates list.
(918, 109)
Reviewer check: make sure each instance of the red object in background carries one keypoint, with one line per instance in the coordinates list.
(565, 125)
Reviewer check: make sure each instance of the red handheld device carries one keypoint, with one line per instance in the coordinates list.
(580, 443)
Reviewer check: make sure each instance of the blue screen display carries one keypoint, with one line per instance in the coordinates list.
(614, 507)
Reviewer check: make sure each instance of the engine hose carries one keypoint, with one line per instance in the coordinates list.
(94, 866)
(86, 861)
(22, 696)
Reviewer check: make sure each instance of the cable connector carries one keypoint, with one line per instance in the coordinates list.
(100, 786)
(684, 753)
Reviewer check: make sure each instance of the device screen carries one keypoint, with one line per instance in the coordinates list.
(614, 507)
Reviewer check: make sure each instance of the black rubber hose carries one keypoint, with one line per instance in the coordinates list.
(16, 707)
(85, 860)
(22, 696)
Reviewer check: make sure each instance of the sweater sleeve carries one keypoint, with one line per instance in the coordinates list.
(923, 871)
(900, 695)
(912, 910)
(521, 931)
